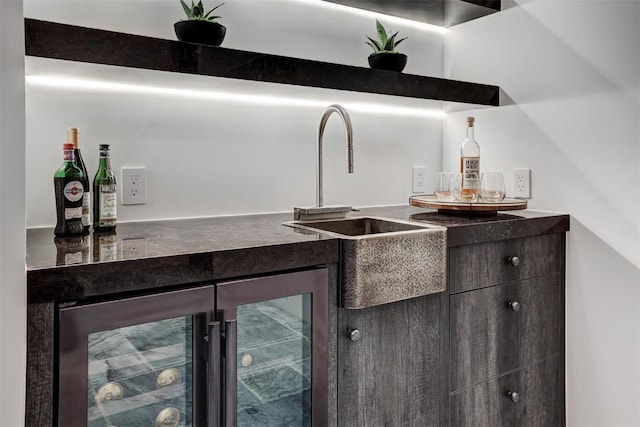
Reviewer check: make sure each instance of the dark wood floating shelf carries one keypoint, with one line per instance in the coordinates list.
(445, 13)
(72, 43)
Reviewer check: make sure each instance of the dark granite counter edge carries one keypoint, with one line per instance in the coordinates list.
(505, 230)
(72, 283)
(98, 280)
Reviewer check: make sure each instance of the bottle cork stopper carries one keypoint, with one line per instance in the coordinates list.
(72, 136)
(470, 121)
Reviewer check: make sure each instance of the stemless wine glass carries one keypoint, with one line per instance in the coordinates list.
(447, 186)
(469, 188)
(492, 187)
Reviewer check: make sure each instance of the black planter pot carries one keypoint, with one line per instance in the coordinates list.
(388, 61)
(202, 32)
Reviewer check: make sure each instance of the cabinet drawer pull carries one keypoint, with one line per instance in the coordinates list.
(514, 305)
(354, 335)
(513, 396)
(514, 261)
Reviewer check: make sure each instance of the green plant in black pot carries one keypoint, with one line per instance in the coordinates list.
(385, 56)
(200, 27)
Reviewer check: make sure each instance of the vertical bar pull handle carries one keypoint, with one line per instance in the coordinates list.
(213, 383)
(230, 373)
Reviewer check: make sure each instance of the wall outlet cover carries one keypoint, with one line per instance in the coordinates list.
(418, 179)
(522, 183)
(134, 186)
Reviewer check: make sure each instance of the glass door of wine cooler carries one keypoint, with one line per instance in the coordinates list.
(137, 362)
(274, 364)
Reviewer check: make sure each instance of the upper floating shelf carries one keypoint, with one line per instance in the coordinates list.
(445, 13)
(72, 43)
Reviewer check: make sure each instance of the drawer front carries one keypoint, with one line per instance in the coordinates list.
(539, 400)
(486, 264)
(488, 338)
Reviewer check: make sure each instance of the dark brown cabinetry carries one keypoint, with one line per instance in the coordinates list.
(536, 403)
(506, 333)
(389, 364)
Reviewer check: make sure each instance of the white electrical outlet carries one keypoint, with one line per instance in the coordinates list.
(522, 183)
(418, 179)
(134, 186)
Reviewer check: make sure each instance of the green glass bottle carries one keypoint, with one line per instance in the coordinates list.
(73, 137)
(67, 183)
(104, 194)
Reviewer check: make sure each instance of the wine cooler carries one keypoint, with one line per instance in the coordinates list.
(243, 353)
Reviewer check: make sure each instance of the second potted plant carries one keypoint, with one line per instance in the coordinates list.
(200, 27)
(385, 56)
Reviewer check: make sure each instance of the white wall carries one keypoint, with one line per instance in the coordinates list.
(12, 216)
(210, 157)
(572, 69)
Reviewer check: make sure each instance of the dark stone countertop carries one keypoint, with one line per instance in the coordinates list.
(142, 256)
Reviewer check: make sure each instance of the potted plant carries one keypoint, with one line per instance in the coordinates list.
(200, 27)
(384, 56)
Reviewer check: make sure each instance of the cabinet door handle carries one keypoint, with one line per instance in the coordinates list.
(514, 261)
(513, 396)
(514, 305)
(354, 335)
(230, 373)
(213, 383)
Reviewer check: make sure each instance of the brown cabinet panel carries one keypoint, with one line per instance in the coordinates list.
(489, 338)
(390, 376)
(478, 266)
(538, 401)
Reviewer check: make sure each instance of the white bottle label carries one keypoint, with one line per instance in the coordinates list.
(86, 203)
(108, 248)
(73, 213)
(108, 202)
(470, 165)
(73, 191)
(73, 258)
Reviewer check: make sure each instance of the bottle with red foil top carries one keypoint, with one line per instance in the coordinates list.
(69, 192)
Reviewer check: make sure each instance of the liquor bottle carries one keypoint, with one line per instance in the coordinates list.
(470, 164)
(104, 194)
(67, 184)
(72, 249)
(73, 138)
(105, 246)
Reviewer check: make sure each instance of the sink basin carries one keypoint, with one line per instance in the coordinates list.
(354, 227)
(385, 260)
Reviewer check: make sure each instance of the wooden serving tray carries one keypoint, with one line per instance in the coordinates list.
(479, 207)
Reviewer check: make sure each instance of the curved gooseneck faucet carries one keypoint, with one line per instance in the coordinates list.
(346, 120)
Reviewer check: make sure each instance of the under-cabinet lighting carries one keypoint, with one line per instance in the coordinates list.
(82, 84)
(375, 15)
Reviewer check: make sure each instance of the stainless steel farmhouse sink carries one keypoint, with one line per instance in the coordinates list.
(385, 260)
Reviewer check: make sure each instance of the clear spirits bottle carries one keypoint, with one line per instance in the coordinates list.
(470, 164)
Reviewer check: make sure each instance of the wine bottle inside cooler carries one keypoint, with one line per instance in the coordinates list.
(69, 191)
